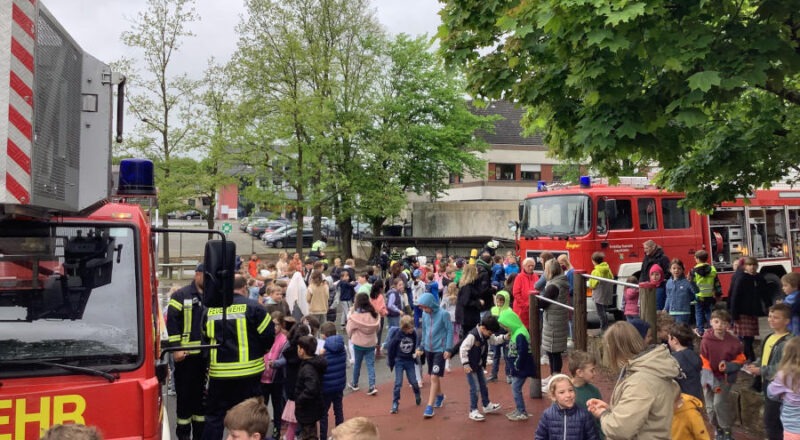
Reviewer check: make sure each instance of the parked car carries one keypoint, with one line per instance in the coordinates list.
(185, 215)
(289, 239)
(279, 231)
(259, 228)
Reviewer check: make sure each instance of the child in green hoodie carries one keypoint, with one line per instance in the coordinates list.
(518, 359)
(501, 302)
(602, 293)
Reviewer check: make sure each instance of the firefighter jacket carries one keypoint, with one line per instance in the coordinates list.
(248, 334)
(704, 281)
(185, 318)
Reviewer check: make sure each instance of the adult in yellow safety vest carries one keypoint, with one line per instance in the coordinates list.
(185, 329)
(235, 367)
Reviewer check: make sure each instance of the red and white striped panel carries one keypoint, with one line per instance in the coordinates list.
(17, 40)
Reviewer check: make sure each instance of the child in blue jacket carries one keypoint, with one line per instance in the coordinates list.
(679, 293)
(437, 337)
(564, 420)
(335, 377)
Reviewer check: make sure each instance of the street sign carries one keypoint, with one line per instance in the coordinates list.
(227, 228)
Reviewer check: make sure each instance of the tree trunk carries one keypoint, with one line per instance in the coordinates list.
(346, 230)
(316, 222)
(375, 252)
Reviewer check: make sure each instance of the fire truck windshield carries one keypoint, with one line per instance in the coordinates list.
(557, 216)
(68, 294)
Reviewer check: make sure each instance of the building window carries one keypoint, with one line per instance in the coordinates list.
(505, 171)
(455, 178)
(530, 172)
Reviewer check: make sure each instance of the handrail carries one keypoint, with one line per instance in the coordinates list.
(551, 301)
(611, 280)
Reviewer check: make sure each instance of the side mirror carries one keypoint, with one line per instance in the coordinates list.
(220, 267)
(513, 226)
(521, 210)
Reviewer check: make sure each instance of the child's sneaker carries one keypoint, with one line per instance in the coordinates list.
(394, 408)
(353, 386)
(439, 401)
(491, 378)
(491, 407)
(372, 391)
(417, 398)
(516, 416)
(428, 412)
(476, 415)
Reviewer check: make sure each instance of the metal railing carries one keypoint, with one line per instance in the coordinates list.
(647, 301)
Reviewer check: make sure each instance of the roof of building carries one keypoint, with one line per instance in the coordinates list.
(507, 131)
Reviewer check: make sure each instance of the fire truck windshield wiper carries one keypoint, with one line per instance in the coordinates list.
(73, 368)
(532, 233)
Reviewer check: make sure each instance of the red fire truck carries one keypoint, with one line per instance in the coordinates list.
(79, 315)
(582, 219)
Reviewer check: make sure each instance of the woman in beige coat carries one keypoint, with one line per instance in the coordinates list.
(642, 401)
(317, 296)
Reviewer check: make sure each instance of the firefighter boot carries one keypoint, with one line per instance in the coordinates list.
(197, 429)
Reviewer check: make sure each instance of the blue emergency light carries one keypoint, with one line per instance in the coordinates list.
(541, 186)
(586, 181)
(136, 177)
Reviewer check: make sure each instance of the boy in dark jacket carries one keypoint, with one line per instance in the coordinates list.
(473, 352)
(402, 357)
(308, 391)
(335, 378)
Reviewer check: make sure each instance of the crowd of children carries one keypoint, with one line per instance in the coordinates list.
(306, 377)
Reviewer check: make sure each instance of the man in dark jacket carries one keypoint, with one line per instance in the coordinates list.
(335, 378)
(308, 392)
(653, 254)
(484, 264)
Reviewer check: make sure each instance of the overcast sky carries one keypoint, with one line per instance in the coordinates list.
(96, 26)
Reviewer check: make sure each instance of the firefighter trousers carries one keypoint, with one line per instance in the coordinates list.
(224, 394)
(190, 381)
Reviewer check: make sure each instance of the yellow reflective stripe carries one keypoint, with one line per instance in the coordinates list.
(264, 324)
(175, 304)
(210, 333)
(241, 335)
(187, 319)
(198, 418)
(237, 369)
(184, 421)
(230, 317)
(174, 338)
(232, 309)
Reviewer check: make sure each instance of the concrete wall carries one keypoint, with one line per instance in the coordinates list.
(453, 219)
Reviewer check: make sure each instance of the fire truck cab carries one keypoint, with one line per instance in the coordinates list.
(617, 219)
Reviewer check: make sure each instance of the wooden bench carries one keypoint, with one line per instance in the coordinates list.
(183, 265)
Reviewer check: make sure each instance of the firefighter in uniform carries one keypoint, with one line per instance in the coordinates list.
(184, 326)
(235, 368)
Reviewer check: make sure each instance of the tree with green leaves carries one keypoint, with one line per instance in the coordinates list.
(165, 103)
(422, 133)
(707, 91)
